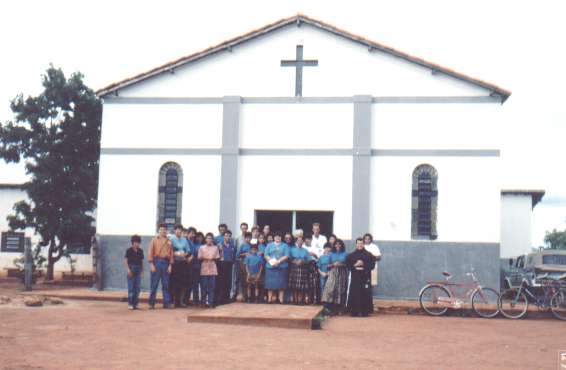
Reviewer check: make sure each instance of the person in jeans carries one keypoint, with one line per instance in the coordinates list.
(160, 259)
(208, 254)
(133, 260)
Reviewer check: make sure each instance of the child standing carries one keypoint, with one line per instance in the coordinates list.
(254, 266)
(322, 265)
(208, 254)
(133, 261)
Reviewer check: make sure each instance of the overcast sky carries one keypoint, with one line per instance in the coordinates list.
(518, 45)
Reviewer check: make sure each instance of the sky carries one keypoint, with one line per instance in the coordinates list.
(518, 45)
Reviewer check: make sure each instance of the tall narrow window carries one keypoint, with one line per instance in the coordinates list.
(170, 198)
(424, 203)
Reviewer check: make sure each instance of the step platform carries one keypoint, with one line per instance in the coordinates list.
(268, 315)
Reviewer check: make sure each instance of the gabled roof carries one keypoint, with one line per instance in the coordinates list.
(298, 19)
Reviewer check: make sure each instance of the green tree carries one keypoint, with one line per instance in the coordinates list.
(555, 239)
(57, 134)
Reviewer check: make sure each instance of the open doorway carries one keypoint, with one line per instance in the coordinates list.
(284, 221)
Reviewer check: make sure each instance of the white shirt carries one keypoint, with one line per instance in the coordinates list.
(373, 249)
(317, 245)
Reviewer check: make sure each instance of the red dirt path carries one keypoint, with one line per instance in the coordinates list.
(104, 335)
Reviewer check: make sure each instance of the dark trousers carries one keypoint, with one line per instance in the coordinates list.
(224, 282)
(194, 286)
(179, 281)
(134, 283)
(207, 285)
(162, 275)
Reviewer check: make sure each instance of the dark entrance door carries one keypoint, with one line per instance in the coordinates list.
(278, 220)
(305, 219)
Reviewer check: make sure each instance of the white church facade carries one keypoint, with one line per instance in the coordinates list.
(300, 121)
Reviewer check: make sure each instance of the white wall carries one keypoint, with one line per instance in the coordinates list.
(162, 126)
(301, 126)
(345, 68)
(516, 213)
(468, 198)
(436, 126)
(128, 192)
(299, 183)
(7, 199)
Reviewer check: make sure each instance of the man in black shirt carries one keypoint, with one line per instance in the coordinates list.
(133, 261)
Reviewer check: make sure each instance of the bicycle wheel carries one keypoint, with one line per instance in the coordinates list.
(511, 306)
(558, 305)
(485, 302)
(435, 299)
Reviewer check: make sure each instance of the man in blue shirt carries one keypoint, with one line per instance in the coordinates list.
(227, 258)
(219, 239)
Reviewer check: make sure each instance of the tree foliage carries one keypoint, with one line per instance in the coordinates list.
(57, 134)
(555, 239)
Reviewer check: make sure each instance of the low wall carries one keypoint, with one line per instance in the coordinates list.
(405, 266)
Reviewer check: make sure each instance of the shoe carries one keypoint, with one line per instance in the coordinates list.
(130, 307)
(152, 307)
(167, 307)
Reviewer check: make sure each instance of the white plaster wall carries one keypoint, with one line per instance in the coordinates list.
(436, 126)
(345, 68)
(468, 198)
(516, 213)
(317, 183)
(8, 197)
(128, 191)
(162, 126)
(296, 126)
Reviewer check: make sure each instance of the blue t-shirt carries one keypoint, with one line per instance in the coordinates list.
(180, 244)
(277, 251)
(323, 262)
(338, 257)
(228, 252)
(219, 239)
(244, 248)
(253, 262)
(194, 251)
(299, 254)
(261, 250)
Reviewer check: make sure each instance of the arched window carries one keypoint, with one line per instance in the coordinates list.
(424, 203)
(170, 198)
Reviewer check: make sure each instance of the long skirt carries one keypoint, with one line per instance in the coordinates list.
(299, 277)
(336, 286)
(276, 278)
(314, 276)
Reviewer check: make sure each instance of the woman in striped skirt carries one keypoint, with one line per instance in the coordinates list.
(299, 282)
(334, 294)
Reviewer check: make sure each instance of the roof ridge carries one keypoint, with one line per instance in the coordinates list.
(299, 17)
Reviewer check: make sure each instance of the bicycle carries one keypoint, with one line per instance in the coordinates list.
(548, 294)
(436, 297)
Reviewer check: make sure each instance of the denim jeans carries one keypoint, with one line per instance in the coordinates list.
(162, 275)
(207, 284)
(322, 284)
(134, 285)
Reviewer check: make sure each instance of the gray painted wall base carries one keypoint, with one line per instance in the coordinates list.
(407, 266)
(404, 269)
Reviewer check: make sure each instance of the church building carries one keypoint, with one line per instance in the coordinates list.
(300, 121)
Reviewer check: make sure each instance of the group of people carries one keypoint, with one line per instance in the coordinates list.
(259, 266)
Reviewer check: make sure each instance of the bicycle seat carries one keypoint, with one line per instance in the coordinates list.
(447, 274)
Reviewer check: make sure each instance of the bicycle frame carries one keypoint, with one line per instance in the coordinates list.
(469, 288)
(540, 300)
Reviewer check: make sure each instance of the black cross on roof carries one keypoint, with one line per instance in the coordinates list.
(298, 64)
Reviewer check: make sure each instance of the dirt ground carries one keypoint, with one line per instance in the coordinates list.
(104, 335)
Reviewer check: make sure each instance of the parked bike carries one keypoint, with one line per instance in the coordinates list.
(546, 294)
(437, 297)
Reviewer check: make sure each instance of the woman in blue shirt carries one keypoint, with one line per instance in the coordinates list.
(299, 271)
(276, 269)
(334, 294)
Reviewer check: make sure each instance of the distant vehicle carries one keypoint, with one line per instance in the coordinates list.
(532, 267)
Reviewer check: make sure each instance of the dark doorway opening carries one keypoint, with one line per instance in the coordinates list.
(285, 221)
(305, 219)
(277, 220)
